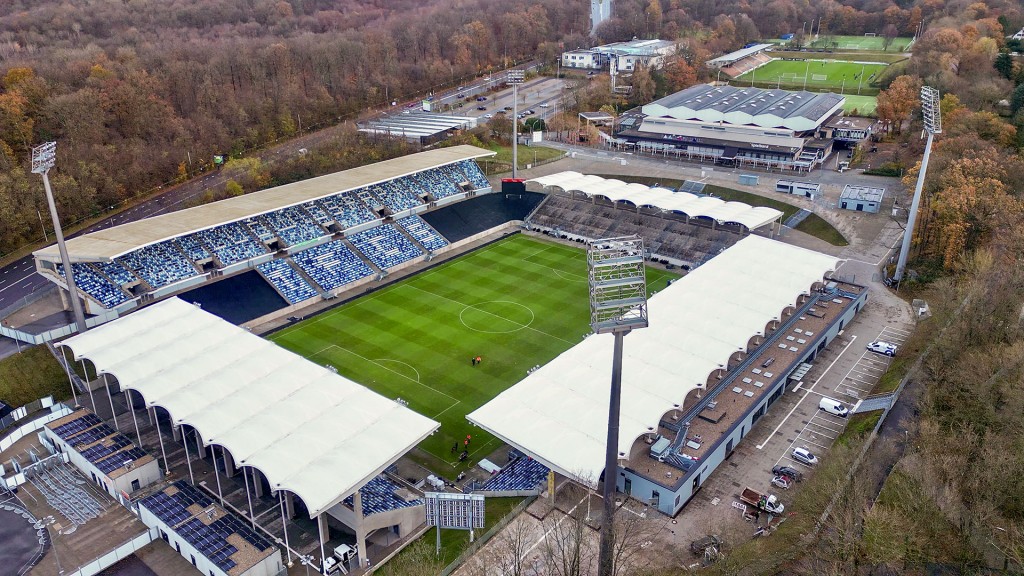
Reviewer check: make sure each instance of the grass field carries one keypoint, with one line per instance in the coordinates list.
(517, 303)
(870, 43)
(837, 75)
(884, 57)
(864, 105)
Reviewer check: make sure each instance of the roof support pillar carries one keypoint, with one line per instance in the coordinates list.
(88, 386)
(188, 460)
(160, 437)
(257, 484)
(357, 505)
(67, 368)
(216, 473)
(229, 463)
(113, 413)
(289, 504)
(325, 535)
(284, 526)
(200, 449)
(131, 408)
(248, 497)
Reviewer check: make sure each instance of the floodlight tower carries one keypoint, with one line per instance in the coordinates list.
(618, 305)
(932, 126)
(515, 78)
(43, 158)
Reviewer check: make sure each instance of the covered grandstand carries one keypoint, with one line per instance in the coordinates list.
(280, 420)
(753, 127)
(307, 239)
(679, 228)
(712, 322)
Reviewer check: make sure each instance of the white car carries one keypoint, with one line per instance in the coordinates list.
(881, 347)
(488, 116)
(545, 105)
(804, 456)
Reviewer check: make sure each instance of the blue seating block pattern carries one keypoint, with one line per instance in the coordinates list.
(422, 232)
(474, 174)
(94, 285)
(192, 248)
(385, 246)
(231, 243)
(522, 474)
(287, 280)
(379, 496)
(347, 209)
(331, 265)
(398, 194)
(159, 264)
(440, 182)
(294, 226)
(115, 272)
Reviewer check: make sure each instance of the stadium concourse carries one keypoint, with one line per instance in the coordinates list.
(313, 439)
(723, 341)
(308, 240)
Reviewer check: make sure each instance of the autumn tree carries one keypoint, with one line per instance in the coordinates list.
(679, 75)
(897, 102)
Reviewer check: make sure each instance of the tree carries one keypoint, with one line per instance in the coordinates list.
(643, 86)
(897, 102)
(889, 34)
(1004, 65)
(568, 549)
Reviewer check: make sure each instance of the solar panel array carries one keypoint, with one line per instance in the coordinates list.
(75, 426)
(692, 187)
(100, 451)
(115, 461)
(209, 539)
(92, 435)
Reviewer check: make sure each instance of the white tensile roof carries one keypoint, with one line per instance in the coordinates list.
(662, 198)
(309, 430)
(559, 413)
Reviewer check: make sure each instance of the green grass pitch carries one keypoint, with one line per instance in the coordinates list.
(836, 75)
(866, 43)
(517, 303)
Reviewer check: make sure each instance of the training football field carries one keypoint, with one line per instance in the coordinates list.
(867, 43)
(516, 303)
(833, 74)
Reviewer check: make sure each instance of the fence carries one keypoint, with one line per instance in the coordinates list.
(56, 333)
(25, 301)
(56, 411)
(479, 543)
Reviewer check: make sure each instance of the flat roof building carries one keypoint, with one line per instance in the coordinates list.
(625, 56)
(861, 198)
(733, 57)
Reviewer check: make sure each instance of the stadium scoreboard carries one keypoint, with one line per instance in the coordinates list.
(459, 511)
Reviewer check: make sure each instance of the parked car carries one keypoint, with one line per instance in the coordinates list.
(530, 111)
(488, 116)
(460, 95)
(804, 456)
(545, 105)
(481, 107)
(508, 107)
(833, 406)
(788, 471)
(881, 347)
(481, 98)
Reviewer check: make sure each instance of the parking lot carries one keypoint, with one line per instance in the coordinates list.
(863, 376)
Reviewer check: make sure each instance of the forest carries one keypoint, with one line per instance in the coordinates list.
(141, 94)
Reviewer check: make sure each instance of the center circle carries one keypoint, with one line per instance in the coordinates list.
(496, 317)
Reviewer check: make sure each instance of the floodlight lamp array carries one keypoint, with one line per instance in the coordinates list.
(618, 284)
(43, 157)
(931, 110)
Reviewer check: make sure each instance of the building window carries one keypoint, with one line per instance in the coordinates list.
(136, 485)
(193, 559)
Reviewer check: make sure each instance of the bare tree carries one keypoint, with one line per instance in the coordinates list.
(568, 548)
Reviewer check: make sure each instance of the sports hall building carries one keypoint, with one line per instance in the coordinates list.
(723, 343)
(747, 127)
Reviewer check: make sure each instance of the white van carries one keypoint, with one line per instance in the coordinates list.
(833, 407)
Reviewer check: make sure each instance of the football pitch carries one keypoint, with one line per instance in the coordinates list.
(867, 43)
(832, 74)
(516, 303)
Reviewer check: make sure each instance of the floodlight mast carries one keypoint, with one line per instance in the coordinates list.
(44, 157)
(618, 305)
(515, 78)
(932, 126)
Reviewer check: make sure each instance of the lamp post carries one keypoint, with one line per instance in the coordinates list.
(618, 305)
(515, 78)
(43, 158)
(932, 126)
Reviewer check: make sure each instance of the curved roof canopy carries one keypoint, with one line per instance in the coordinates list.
(662, 198)
(559, 413)
(309, 430)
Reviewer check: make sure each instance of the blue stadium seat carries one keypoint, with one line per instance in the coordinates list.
(474, 174)
(331, 265)
(440, 182)
(95, 285)
(287, 281)
(379, 496)
(192, 248)
(294, 226)
(399, 194)
(159, 264)
(522, 474)
(231, 243)
(347, 209)
(422, 232)
(385, 246)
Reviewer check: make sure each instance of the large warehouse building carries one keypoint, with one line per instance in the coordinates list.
(750, 127)
(722, 344)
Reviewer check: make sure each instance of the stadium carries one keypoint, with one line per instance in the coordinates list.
(451, 329)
